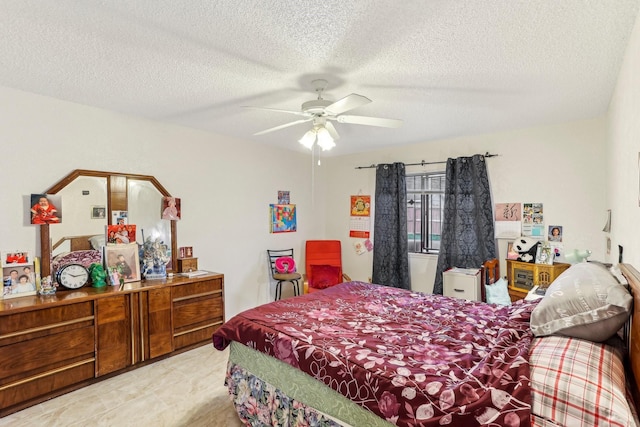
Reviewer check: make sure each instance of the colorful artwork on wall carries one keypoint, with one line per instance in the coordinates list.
(283, 218)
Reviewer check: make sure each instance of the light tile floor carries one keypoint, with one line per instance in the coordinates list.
(183, 390)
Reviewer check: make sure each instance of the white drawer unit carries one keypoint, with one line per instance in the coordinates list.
(462, 283)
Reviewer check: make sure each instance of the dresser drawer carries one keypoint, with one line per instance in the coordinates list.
(196, 289)
(45, 321)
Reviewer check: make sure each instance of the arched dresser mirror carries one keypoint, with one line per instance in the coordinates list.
(87, 195)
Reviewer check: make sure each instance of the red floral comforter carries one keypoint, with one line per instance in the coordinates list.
(413, 359)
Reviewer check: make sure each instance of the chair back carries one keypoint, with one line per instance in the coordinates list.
(490, 274)
(274, 254)
(491, 269)
(322, 252)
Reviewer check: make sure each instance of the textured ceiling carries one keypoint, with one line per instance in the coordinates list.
(447, 68)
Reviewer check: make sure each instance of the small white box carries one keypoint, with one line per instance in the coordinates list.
(462, 283)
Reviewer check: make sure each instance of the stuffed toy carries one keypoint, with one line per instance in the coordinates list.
(526, 247)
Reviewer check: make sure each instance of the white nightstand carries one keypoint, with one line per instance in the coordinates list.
(462, 283)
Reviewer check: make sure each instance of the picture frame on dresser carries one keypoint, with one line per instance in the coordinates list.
(16, 258)
(122, 262)
(545, 254)
(18, 280)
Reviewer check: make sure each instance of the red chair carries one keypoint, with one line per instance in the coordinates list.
(323, 265)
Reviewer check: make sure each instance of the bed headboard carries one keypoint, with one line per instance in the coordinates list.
(76, 243)
(633, 329)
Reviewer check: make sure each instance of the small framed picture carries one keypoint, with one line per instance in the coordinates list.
(545, 255)
(186, 251)
(46, 209)
(12, 259)
(171, 208)
(120, 217)
(98, 212)
(283, 197)
(555, 233)
(511, 253)
(120, 234)
(18, 280)
(123, 263)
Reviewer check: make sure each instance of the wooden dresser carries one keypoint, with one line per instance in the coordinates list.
(50, 345)
(523, 276)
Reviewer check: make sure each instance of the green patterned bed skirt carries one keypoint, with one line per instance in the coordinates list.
(303, 388)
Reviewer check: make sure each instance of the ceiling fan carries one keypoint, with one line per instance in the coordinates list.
(322, 112)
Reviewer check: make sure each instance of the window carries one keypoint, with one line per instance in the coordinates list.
(425, 210)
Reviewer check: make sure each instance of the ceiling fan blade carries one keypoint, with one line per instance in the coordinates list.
(347, 103)
(286, 125)
(298, 113)
(370, 121)
(332, 130)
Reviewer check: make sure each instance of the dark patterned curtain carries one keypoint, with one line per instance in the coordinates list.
(467, 227)
(390, 249)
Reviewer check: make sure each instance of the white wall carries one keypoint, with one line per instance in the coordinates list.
(560, 166)
(225, 185)
(623, 162)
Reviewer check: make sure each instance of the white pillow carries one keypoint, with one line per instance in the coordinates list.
(498, 293)
(97, 241)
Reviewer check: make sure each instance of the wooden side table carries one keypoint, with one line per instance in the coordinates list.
(523, 276)
(516, 293)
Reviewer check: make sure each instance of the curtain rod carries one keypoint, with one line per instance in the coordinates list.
(423, 163)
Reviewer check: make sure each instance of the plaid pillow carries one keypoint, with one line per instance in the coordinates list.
(577, 383)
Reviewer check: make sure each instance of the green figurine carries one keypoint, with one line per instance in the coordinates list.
(98, 275)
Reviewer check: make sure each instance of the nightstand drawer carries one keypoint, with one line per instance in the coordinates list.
(462, 283)
(458, 291)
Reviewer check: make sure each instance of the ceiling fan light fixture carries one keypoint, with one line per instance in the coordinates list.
(308, 139)
(325, 141)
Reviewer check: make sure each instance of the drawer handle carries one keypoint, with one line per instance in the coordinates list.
(458, 290)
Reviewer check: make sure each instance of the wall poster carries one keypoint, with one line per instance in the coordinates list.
(283, 218)
(508, 219)
(533, 220)
(360, 221)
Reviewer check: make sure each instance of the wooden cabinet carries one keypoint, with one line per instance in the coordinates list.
(523, 276)
(187, 264)
(197, 311)
(45, 350)
(52, 345)
(159, 328)
(113, 326)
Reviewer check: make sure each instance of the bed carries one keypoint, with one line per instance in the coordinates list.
(362, 354)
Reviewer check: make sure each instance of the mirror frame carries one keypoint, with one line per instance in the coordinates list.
(117, 200)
